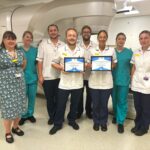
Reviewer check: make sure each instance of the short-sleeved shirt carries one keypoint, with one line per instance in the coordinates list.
(30, 69)
(69, 81)
(102, 79)
(141, 76)
(121, 73)
(92, 45)
(46, 52)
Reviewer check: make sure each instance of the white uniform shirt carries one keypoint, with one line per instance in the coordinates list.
(102, 79)
(69, 81)
(86, 54)
(141, 77)
(46, 52)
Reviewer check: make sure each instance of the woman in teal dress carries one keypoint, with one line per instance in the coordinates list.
(121, 78)
(31, 78)
(12, 85)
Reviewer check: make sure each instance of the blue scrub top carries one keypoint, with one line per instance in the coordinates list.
(31, 69)
(121, 73)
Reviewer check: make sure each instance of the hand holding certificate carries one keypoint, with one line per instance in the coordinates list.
(101, 63)
(74, 64)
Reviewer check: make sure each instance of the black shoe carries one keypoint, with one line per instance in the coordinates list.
(17, 131)
(114, 120)
(54, 130)
(134, 129)
(9, 138)
(74, 125)
(79, 116)
(104, 127)
(96, 127)
(120, 128)
(22, 121)
(89, 116)
(50, 122)
(32, 119)
(140, 132)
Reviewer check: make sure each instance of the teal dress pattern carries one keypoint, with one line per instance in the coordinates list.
(13, 101)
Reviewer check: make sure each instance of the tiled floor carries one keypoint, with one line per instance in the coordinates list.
(37, 136)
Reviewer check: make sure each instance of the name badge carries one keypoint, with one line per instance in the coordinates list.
(18, 75)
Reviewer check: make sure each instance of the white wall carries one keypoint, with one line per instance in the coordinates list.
(131, 27)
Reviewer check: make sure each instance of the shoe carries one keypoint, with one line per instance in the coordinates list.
(96, 127)
(74, 125)
(104, 127)
(134, 129)
(120, 128)
(22, 121)
(79, 116)
(50, 122)
(32, 119)
(140, 132)
(9, 138)
(54, 130)
(114, 120)
(17, 131)
(89, 116)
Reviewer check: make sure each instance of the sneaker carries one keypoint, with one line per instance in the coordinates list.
(140, 132)
(22, 121)
(9, 138)
(54, 130)
(114, 120)
(32, 119)
(50, 122)
(17, 131)
(96, 127)
(104, 127)
(74, 125)
(120, 128)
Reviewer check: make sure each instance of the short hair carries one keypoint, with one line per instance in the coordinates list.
(144, 31)
(8, 35)
(71, 29)
(86, 27)
(101, 32)
(27, 32)
(52, 25)
(121, 33)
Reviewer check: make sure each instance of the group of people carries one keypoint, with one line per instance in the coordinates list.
(22, 67)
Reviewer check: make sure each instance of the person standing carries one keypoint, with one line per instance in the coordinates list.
(87, 45)
(70, 83)
(12, 85)
(140, 84)
(101, 83)
(47, 75)
(30, 76)
(121, 81)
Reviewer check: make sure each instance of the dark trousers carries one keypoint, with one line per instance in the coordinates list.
(61, 105)
(142, 107)
(100, 99)
(51, 90)
(88, 104)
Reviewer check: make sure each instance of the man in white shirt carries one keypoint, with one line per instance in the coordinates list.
(70, 83)
(87, 45)
(48, 76)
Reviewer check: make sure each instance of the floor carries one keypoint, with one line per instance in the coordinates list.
(37, 136)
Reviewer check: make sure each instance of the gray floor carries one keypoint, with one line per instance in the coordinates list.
(37, 136)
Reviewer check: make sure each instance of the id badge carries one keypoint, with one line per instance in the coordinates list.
(18, 75)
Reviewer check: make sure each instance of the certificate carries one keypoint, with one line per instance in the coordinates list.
(74, 64)
(101, 63)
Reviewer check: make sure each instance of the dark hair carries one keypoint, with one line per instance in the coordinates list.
(52, 25)
(101, 32)
(8, 35)
(86, 27)
(121, 33)
(145, 31)
(71, 29)
(27, 32)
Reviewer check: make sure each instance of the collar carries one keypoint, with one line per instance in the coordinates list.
(68, 49)
(89, 46)
(50, 42)
(106, 48)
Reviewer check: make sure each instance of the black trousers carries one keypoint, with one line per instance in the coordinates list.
(51, 90)
(88, 105)
(61, 105)
(142, 107)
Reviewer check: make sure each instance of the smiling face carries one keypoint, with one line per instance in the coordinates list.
(102, 38)
(27, 38)
(144, 40)
(71, 37)
(53, 32)
(120, 40)
(9, 43)
(86, 34)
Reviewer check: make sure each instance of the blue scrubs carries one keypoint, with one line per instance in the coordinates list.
(121, 79)
(31, 79)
